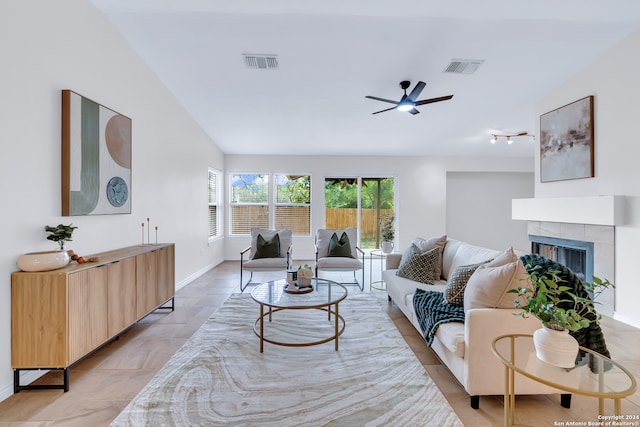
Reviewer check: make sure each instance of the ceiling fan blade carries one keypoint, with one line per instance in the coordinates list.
(417, 90)
(429, 101)
(414, 111)
(381, 99)
(382, 111)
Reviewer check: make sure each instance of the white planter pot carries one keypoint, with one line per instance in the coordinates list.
(43, 261)
(556, 348)
(387, 247)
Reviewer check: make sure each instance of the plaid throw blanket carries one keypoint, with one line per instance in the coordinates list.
(432, 311)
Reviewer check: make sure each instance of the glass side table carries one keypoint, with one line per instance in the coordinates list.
(598, 377)
(377, 284)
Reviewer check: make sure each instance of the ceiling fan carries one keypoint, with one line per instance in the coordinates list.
(408, 102)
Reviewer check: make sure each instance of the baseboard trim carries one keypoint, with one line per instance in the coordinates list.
(184, 282)
(626, 320)
(26, 377)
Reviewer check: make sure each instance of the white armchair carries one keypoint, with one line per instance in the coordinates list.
(270, 250)
(336, 250)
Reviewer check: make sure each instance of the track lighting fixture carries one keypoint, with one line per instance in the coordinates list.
(509, 137)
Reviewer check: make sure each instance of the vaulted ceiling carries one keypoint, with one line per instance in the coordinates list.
(332, 53)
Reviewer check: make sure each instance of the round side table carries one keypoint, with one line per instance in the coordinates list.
(377, 254)
(599, 377)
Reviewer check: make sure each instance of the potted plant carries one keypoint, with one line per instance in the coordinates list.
(387, 234)
(305, 273)
(560, 310)
(60, 233)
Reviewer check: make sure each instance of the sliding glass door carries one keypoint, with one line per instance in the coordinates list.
(360, 202)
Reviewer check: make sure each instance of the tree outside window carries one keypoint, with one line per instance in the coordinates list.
(293, 203)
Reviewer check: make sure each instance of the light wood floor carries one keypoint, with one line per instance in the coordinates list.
(103, 383)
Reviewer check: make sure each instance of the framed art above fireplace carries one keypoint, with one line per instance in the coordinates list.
(566, 142)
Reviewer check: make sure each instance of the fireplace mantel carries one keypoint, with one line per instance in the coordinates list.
(597, 210)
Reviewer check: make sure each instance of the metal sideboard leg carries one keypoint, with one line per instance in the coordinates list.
(64, 386)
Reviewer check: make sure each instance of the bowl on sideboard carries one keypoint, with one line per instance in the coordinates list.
(43, 261)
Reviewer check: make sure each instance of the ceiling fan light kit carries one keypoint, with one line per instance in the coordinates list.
(408, 102)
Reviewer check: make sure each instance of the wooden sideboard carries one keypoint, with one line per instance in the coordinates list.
(60, 316)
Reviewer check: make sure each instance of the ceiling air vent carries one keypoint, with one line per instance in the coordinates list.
(463, 66)
(261, 62)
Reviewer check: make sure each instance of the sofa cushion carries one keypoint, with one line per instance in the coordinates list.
(454, 293)
(488, 285)
(262, 264)
(451, 335)
(338, 263)
(467, 254)
(419, 266)
(425, 245)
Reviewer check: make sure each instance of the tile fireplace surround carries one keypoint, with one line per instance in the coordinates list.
(588, 219)
(603, 239)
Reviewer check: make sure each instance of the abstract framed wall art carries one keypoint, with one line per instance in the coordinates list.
(566, 142)
(96, 158)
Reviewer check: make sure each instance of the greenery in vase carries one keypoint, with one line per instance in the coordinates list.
(61, 233)
(388, 232)
(548, 299)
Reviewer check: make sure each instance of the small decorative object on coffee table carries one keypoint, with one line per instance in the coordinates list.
(292, 288)
(305, 273)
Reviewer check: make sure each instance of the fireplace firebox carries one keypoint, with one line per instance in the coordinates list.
(574, 254)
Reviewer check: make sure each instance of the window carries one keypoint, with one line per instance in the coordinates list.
(293, 203)
(249, 202)
(214, 204)
(285, 204)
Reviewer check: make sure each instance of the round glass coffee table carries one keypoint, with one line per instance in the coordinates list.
(326, 296)
(596, 375)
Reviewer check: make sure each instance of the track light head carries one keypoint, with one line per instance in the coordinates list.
(509, 137)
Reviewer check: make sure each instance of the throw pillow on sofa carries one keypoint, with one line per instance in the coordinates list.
(425, 245)
(419, 266)
(487, 287)
(506, 257)
(454, 292)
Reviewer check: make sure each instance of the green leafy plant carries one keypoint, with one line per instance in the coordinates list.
(554, 303)
(61, 233)
(388, 232)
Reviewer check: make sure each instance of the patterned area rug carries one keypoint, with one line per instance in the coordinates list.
(219, 377)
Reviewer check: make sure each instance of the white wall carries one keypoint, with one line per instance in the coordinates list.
(479, 208)
(617, 150)
(47, 46)
(422, 195)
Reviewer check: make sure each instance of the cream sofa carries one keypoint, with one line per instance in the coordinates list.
(466, 348)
